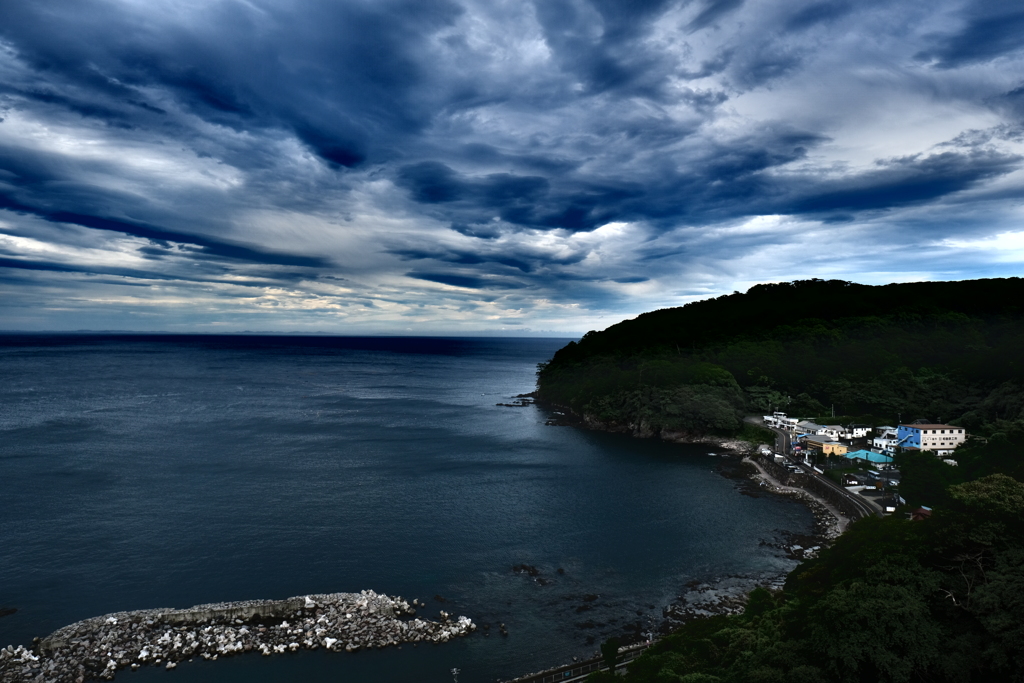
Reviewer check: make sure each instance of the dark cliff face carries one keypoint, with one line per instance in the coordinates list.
(951, 351)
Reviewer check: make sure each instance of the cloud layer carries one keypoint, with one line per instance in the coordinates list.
(434, 166)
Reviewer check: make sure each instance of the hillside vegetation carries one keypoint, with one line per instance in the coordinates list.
(891, 601)
(945, 351)
(933, 601)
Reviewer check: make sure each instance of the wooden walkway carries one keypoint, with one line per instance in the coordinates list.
(578, 671)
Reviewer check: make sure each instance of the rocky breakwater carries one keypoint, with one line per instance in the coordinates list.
(97, 648)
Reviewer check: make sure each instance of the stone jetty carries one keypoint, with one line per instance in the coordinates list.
(97, 648)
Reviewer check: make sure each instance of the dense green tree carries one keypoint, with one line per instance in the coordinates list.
(892, 601)
(945, 351)
(610, 653)
(925, 478)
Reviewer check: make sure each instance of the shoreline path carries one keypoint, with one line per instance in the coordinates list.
(842, 521)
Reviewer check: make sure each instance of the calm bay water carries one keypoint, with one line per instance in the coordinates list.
(140, 472)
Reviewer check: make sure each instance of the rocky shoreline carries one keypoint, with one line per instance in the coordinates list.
(97, 648)
(827, 526)
(561, 416)
(727, 595)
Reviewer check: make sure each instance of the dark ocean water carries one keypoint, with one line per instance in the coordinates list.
(140, 472)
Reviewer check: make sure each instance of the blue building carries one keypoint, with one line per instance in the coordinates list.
(940, 439)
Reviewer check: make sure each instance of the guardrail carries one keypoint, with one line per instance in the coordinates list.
(579, 670)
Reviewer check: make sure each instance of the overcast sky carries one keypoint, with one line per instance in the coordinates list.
(463, 167)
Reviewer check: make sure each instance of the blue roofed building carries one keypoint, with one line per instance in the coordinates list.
(876, 460)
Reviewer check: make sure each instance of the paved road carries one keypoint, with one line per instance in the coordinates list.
(866, 507)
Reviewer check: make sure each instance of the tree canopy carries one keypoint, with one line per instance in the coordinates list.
(945, 351)
(891, 601)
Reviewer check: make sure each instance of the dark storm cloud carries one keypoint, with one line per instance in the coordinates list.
(80, 107)
(909, 181)
(466, 281)
(466, 258)
(762, 66)
(49, 266)
(521, 200)
(206, 246)
(817, 13)
(254, 278)
(989, 30)
(709, 67)
(730, 180)
(508, 260)
(344, 78)
(712, 11)
(332, 148)
(489, 144)
(488, 155)
(336, 74)
(38, 265)
(1013, 103)
(596, 42)
(431, 182)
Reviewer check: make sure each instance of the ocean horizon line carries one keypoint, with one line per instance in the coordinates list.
(291, 334)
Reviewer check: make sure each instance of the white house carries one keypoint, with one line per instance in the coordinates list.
(846, 431)
(856, 431)
(886, 441)
(808, 427)
(781, 421)
(834, 431)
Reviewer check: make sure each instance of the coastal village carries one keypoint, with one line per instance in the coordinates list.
(860, 457)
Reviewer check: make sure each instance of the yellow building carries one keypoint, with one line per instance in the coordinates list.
(827, 446)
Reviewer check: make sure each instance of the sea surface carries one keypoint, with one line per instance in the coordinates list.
(168, 471)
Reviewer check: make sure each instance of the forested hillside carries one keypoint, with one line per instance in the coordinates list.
(892, 600)
(944, 351)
